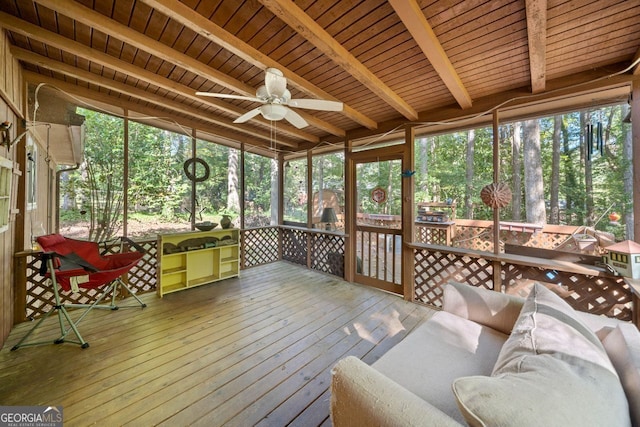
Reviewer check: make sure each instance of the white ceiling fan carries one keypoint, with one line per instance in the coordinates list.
(276, 101)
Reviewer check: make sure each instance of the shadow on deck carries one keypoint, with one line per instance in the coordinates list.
(254, 350)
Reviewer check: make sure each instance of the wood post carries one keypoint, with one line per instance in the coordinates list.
(497, 265)
(635, 132)
(19, 288)
(408, 209)
(350, 210)
(125, 177)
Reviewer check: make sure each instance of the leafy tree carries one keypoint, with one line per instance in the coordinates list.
(97, 185)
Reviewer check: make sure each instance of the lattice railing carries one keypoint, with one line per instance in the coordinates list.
(607, 295)
(603, 295)
(260, 246)
(327, 253)
(39, 296)
(315, 249)
(434, 268)
(295, 245)
(473, 238)
(432, 236)
(480, 237)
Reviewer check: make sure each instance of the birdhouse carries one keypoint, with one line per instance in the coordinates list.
(624, 258)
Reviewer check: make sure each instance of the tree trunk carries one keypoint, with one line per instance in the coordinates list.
(555, 172)
(533, 182)
(435, 187)
(424, 168)
(233, 197)
(570, 181)
(516, 164)
(468, 192)
(320, 169)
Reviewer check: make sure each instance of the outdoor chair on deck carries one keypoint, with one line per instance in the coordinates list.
(73, 264)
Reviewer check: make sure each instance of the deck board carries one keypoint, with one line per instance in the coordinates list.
(254, 350)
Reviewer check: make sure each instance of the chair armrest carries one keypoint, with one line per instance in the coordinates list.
(362, 396)
(490, 308)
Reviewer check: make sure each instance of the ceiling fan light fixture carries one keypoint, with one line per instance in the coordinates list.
(273, 112)
(262, 92)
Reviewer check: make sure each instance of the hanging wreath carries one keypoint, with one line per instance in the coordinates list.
(191, 174)
(496, 195)
(379, 195)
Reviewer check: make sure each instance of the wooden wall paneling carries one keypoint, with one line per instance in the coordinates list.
(12, 101)
(4, 47)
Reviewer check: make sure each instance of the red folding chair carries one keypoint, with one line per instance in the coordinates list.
(73, 264)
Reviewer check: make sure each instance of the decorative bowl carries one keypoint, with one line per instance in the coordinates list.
(206, 226)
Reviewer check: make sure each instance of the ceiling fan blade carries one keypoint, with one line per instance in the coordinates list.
(295, 119)
(229, 96)
(275, 82)
(316, 104)
(247, 116)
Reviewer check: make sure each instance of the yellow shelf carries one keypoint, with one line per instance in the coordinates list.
(228, 274)
(174, 270)
(174, 288)
(203, 280)
(202, 264)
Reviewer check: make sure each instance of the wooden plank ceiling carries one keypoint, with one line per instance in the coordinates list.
(389, 62)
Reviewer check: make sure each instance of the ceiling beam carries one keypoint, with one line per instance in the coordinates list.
(34, 32)
(537, 38)
(123, 33)
(597, 84)
(413, 18)
(79, 92)
(100, 22)
(128, 90)
(307, 28)
(191, 19)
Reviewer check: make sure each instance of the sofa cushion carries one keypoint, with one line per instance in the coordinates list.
(623, 346)
(490, 308)
(552, 370)
(548, 325)
(440, 350)
(544, 391)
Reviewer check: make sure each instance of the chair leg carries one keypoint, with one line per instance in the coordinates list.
(120, 283)
(72, 326)
(62, 316)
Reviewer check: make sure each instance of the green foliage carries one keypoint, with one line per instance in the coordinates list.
(440, 166)
(159, 188)
(157, 183)
(295, 190)
(94, 190)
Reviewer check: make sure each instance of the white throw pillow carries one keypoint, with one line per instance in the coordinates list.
(552, 371)
(490, 308)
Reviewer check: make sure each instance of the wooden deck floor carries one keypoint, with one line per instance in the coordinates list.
(257, 350)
